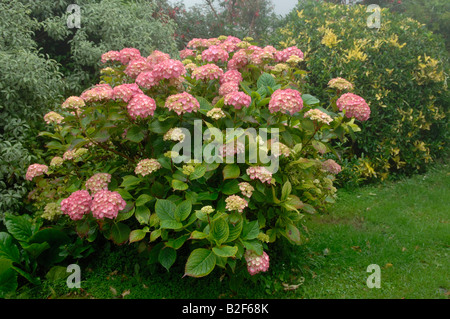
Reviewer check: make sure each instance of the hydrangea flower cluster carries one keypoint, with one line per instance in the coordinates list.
(228, 87)
(77, 204)
(354, 106)
(207, 209)
(238, 100)
(74, 154)
(157, 57)
(340, 84)
(111, 56)
(279, 149)
(125, 92)
(216, 113)
(284, 55)
(147, 166)
(107, 204)
(231, 76)
(214, 54)
(174, 134)
(147, 80)
(35, 170)
(331, 166)
(73, 102)
(100, 92)
(128, 54)
(319, 116)
(51, 211)
(261, 173)
(141, 105)
(137, 66)
(255, 263)
(231, 149)
(286, 101)
(56, 161)
(239, 60)
(182, 103)
(98, 182)
(235, 202)
(53, 117)
(246, 189)
(207, 72)
(168, 69)
(185, 53)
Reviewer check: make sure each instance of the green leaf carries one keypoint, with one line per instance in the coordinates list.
(167, 257)
(137, 235)
(199, 172)
(124, 215)
(266, 80)
(250, 230)
(198, 235)
(120, 233)
(55, 238)
(183, 210)
(8, 250)
(179, 185)
(231, 171)
(170, 224)
(57, 273)
(135, 134)
(254, 245)
(35, 249)
(231, 187)
(155, 234)
(165, 209)
(130, 181)
(19, 227)
(319, 146)
(178, 242)
(225, 251)
(219, 231)
(309, 99)
(204, 103)
(293, 234)
(200, 263)
(142, 214)
(286, 190)
(8, 278)
(143, 199)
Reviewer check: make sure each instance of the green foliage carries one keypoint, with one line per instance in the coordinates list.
(184, 209)
(401, 71)
(30, 84)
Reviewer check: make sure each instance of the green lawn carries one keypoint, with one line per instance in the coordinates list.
(403, 227)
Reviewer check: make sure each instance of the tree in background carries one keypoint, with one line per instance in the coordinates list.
(212, 18)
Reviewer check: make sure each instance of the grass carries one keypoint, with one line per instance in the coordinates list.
(401, 226)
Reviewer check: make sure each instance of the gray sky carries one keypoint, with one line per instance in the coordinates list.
(281, 6)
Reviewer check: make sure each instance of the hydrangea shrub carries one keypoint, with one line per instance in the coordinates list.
(121, 160)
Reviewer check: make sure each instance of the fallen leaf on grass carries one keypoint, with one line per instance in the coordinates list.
(126, 293)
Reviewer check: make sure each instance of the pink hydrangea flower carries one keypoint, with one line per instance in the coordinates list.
(198, 43)
(100, 92)
(136, 67)
(284, 55)
(228, 87)
(182, 103)
(77, 204)
(261, 55)
(255, 263)
(331, 166)
(238, 100)
(157, 57)
(35, 170)
(287, 100)
(73, 102)
(214, 54)
(107, 204)
(97, 182)
(340, 84)
(235, 202)
(111, 56)
(261, 173)
(147, 80)
(239, 60)
(125, 92)
(231, 76)
(186, 53)
(354, 106)
(228, 46)
(141, 105)
(207, 72)
(128, 54)
(319, 116)
(53, 117)
(147, 166)
(246, 189)
(168, 69)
